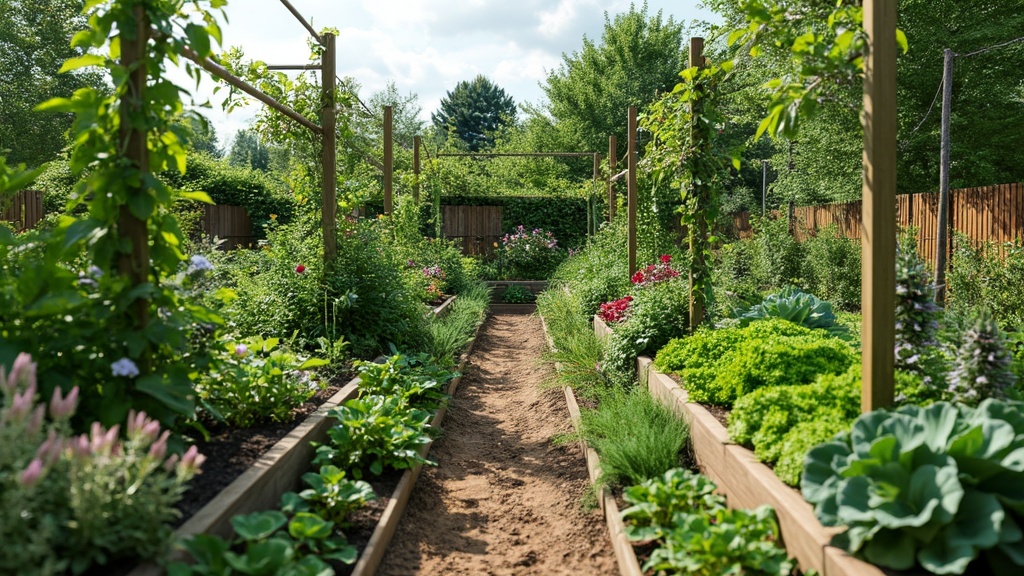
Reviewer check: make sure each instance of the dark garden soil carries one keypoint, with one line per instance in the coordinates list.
(230, 451)
(504, 498)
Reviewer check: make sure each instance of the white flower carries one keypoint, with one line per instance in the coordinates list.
(124, 367)
(198, 263)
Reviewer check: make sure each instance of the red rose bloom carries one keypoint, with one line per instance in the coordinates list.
(300, 269)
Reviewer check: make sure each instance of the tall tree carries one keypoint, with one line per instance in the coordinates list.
(473, 111)
(35, 40)
(201, 134)
(638, 56)
(247, 151)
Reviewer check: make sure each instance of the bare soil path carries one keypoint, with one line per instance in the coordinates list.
(504, 499)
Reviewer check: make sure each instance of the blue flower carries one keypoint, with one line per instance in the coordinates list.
(124, 367)
(198, 263)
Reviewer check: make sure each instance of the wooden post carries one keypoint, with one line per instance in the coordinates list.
(595, 204)
(389, 161)
(612, 165)
(878, 232)
(942, 230)
(631, 195)
(135, 264)
(329, 122)
(416, 170)
(698, 237)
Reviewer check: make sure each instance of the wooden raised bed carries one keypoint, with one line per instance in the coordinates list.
(748, 483)
(281, 468)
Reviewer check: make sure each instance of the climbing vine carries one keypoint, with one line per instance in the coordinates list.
(687, 152)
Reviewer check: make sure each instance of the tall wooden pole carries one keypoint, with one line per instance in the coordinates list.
(698, 237)
(631, 195)
(389, 160)
(329, 121)
(878, 232)
(612, 164)
(416, 170)
(942, 235)
(135, 264)
(595, 205)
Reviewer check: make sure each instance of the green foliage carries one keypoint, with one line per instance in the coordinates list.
(528, 255)
(516, 294)
(696, 534)
(418, 380)
(935, 486)
(799, 440)
(794, 305)
(473, 111)
(248, 152)
(978, 278)
(658, 313)
(331, 496)
(649, 446)
(577, 351)
(598, 273)
(638, 56)
(33, 46)
(268, 543)
(72, 503)
(776, 255)
(916, 312)
(831, 268)
(720, 366)
(257, 381)
(982, 362)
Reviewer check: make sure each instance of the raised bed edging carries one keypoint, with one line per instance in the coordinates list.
(747, 483)
(625, 556)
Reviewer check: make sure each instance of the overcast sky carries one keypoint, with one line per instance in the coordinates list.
(426, 46)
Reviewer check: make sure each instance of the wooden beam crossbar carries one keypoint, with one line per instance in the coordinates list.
(302, 21)
(293, 67)
(515, 154)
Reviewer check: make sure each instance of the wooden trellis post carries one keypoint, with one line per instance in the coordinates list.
(631, 194)
(878, 232)
(416, 170)
(389, 160)
(612, 164)
(329, 123)
(698, 237)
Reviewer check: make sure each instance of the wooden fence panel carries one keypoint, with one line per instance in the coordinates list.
(24, 209)
(230, 224)
(986, 214)
(477, 227)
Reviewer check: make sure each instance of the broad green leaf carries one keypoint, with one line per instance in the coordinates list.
(81, 62)
(197, 196)
(306, 525)
(892, 549)
(176, 399)
(259, 525)
(313, 363)
(976, 527)
(55, 105)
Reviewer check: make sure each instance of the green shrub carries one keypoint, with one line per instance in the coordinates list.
(979, 278)
(775, 255)
(734, 286)
(916, 313)
(936, 486)
(599, 272)
(516, 294)
(800, 439)
(658, 313)
(649, 445)
(832, 267)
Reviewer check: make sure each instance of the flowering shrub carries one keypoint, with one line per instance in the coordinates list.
(70, 502)
(655, 273)
(528, 255)
(615, 310)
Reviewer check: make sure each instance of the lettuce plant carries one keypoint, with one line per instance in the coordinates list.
(794, 305)
(940, 486)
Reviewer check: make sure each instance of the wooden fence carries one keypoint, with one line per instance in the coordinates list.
(24, 209)
(477, 227)
(985, 214)
(230, 224)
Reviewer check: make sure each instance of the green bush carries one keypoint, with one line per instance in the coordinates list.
(649, 445)
(599, 272)
(719, 366)
(936, 486)
(658, 313)
(831, 268)
(978, 278)
(800, 439)
(776, 256)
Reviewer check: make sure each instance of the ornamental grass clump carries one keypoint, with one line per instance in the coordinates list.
(72, 502)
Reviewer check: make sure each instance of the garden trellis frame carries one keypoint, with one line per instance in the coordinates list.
(327, 129)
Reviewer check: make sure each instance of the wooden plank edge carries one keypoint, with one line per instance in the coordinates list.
(748, 483)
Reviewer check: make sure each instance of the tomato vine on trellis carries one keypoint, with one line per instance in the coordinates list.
(687, 152)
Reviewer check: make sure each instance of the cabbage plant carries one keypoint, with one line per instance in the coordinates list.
(939, 486)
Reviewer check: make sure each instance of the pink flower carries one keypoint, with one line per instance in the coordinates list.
(62, 407)
(159, 448)
(32, 474)
(241, 350)
(300, 269)
(192, 459)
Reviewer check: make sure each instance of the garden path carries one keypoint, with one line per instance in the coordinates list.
(504, 499)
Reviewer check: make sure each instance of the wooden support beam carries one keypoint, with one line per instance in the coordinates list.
(134, 264)
(698, 237)
(631, 193)
(389, 160)
(293, 67)
(878, 232)
(416, 170)
(612, 162)
(942, 229)
(514, 154)
(329, 200)
(320, 40)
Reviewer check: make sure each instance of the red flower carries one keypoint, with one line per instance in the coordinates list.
(300, 269)
(665, 258)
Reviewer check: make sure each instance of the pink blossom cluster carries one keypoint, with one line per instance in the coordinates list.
(521, 235)
(655, 273)
(616, 310)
